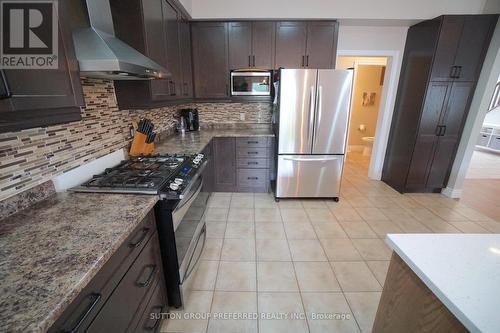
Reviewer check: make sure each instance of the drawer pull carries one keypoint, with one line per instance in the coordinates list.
(252, 142)
(156, 310)
(144, 233)
(94, 299)
(253, 152)
(250, 163)
(252, 178)
(146, 283)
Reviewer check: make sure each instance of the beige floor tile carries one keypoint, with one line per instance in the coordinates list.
(372, 214)
(342, 204)
(283, 303)
(347, 214)
(240, 230)
(243, 215)
(238, 249)
(216, 229)
(472, 214)
(267, 215)
(299, 231)
(264, 201)
(313, 203)
(411, 225)
(242, 201)
(469, 227)
(381, 201)
(328, 303)
(276, 276)
(364, 306)
(382, 228)
(361, 201)
(198, 302)
(405, 202)
(329, 230)
(492, 226)
(379, 269)
(315, 277)
(294, 215)
(423, 215)
(213, 247)
(236, 276)
(448, 214)
(441, 227)
(214, 214)
(397, 213)
(290, 203)
(219, 201)
(340, 250)
(320, 215)
(355, 276)
(372, 249)
(273, 250)
(306, 250)
(233, 302)
(205, 276)
(358, 230)
(269, 230)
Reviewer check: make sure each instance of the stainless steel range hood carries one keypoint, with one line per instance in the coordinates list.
(101, 55)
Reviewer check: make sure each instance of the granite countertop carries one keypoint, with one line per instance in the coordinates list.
(49, 252)
(194, 142)
(462, 270)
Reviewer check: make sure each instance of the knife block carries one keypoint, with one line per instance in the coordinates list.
(138, 144)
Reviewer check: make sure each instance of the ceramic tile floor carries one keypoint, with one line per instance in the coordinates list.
(309, 257)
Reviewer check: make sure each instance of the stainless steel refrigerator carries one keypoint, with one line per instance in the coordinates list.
(311, 125)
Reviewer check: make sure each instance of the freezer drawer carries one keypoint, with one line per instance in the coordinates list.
(309, 176)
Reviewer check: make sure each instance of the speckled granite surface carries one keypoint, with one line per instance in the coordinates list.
(194, 142)
(26, 199)
(49, 252)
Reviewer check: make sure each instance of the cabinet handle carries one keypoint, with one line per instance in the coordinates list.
(253, 60)
(252, 142)
(307, 60)
(452, 72)
(249, 61)
(252, 178)
(302, 61)
(252, 152)
(144, 232)
(159, 309)
(94, 298)
(443, 130)
(459, 71)
(185, 88)
(254, 163)
(6, 93)
(146, 283)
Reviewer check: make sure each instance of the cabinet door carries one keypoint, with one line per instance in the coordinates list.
(321, 45)
(171, 23)
(290, 44)
(476, 35)
(263, 44)
(240, 45)
(225, 164)
(423, 151)
(210, 65)
(187, 72)
(449, 38)
(453, 119)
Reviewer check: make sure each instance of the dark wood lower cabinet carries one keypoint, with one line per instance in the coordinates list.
(124, 293)
(225, 164)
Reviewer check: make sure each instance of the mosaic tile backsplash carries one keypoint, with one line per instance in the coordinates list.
(33, 156)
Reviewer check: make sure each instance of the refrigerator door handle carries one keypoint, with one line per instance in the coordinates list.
(313, 159)
(310, 118)
(318, 112)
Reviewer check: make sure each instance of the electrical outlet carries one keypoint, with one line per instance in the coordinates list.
(242, 116)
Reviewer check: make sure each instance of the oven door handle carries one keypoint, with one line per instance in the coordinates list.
(193, 193)
(190, 268)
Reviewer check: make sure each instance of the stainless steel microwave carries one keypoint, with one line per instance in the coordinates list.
(251, 83)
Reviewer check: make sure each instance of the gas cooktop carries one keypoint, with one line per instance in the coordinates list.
(147, 175)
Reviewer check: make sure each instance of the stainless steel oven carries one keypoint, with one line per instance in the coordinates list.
(256, 83)
(182, 233)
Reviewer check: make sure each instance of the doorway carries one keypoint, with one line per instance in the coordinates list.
(369, 77)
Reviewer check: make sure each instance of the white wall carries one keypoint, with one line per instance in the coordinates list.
(377, 41)
(478, 109)
(340, 9)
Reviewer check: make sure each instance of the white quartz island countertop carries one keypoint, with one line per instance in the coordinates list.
(463, 271)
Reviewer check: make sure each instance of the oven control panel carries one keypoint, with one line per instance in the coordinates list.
(181, 180)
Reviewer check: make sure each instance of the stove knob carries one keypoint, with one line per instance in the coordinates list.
(174, 186)
(178, 181)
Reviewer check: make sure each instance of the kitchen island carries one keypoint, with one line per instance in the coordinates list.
(441, 282)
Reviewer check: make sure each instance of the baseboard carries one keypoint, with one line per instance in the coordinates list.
(452, 193)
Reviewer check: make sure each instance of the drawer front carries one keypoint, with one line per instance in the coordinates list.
(150, 314)
(116, 315)
(248, 152)
(252, 177)
(252, 142)
(252, 163)
(483, 139)
(495, 142)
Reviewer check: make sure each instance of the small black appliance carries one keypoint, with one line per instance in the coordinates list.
(190, 119)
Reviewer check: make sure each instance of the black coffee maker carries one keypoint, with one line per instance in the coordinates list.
(190, 119)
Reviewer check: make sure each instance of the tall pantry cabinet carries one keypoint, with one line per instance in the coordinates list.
(441, 65)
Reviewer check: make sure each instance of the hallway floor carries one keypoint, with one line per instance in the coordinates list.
(308, 258)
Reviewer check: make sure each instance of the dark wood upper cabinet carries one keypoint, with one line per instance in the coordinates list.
(210, 59)
(263, 44)
(186, 59)
(321, 44)
(172, 43)
(240, 45)
(291, 44)
(42, 97)
(441, 65)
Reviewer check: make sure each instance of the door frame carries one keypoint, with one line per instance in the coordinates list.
(387, 100)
